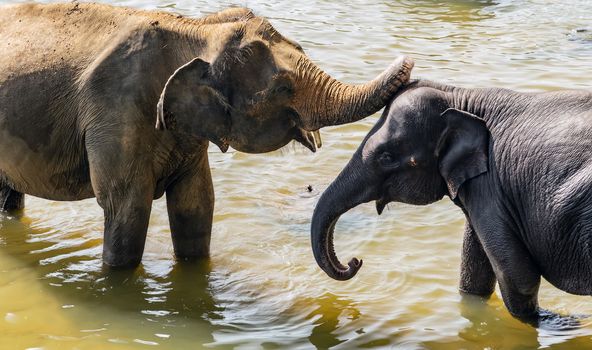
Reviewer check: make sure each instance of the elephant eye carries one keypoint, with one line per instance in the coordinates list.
(386, 160)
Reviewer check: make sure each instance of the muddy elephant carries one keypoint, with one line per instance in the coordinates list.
(82, 87)
(518, 165)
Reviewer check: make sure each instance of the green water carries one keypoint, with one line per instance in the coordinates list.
(262, 288)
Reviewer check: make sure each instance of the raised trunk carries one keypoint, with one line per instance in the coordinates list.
(350, 189)
(324, 101)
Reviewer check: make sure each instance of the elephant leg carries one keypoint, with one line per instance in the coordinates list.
(127, 215)
(520, 289)
(124, 188)
(521, 296)
(190, 205)
(476, 274)
(127, 207)
(11, 200)
(516, 272)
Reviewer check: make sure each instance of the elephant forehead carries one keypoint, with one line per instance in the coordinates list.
(379, 137)
(404, 110)
(419, 99)
(413, 115)
(261, 27)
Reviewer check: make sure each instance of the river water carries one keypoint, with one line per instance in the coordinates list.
(262, 288)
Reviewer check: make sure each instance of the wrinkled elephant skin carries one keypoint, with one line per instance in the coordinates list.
(119, 104)
(518, 165)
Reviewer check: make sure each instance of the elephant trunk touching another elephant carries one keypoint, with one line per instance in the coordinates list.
(331, 102)
(82, 86)
(235, 97)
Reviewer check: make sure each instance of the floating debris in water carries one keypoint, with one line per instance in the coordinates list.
(580, 34)
(309, 192)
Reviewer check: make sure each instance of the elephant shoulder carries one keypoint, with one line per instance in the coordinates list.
(129, 73)
(130, 54)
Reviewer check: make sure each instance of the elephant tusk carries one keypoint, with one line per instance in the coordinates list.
(317, 138)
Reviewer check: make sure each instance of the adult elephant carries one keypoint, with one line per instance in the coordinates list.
(83, 85)
(518, 165)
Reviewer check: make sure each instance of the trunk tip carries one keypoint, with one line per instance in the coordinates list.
(404, 63)
(408, 62)
(355, 264)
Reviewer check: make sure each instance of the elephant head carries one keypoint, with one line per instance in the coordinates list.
(258, 91)
(419, 151)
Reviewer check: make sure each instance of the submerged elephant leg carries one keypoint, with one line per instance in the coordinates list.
(516, 272)
(476, 274)
(127, 213)
(11, 200)
(521, 296)
(190, 205)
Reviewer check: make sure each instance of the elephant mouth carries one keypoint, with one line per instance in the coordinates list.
(309, 139)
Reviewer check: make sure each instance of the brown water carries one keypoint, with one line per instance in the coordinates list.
(262, 288)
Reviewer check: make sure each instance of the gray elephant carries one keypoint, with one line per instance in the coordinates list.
(82, 87)
(518, 165)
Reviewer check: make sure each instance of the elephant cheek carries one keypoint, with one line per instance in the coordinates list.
(257, 134)
(417, 192)
(258, 142)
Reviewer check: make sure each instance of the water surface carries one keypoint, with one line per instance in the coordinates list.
(262, 288)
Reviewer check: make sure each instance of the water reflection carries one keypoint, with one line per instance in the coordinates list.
(168, 295)
(461, 11)
(331, 312)
(490, 319)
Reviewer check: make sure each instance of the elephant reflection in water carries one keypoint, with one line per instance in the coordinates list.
(164, 294)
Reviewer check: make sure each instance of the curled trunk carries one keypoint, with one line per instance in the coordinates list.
(347, 191)
(324, 101)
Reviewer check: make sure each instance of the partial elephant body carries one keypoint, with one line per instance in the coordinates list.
(81, 86)
(77, 76)
(540, 173)
(518, 165)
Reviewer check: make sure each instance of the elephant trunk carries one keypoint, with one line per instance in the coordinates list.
(324, 101)
(348, 190)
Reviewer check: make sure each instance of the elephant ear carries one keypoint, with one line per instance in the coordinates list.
(189, 104)
(462, 149)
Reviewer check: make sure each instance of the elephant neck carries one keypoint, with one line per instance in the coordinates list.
(490, 104)
(504, 112)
